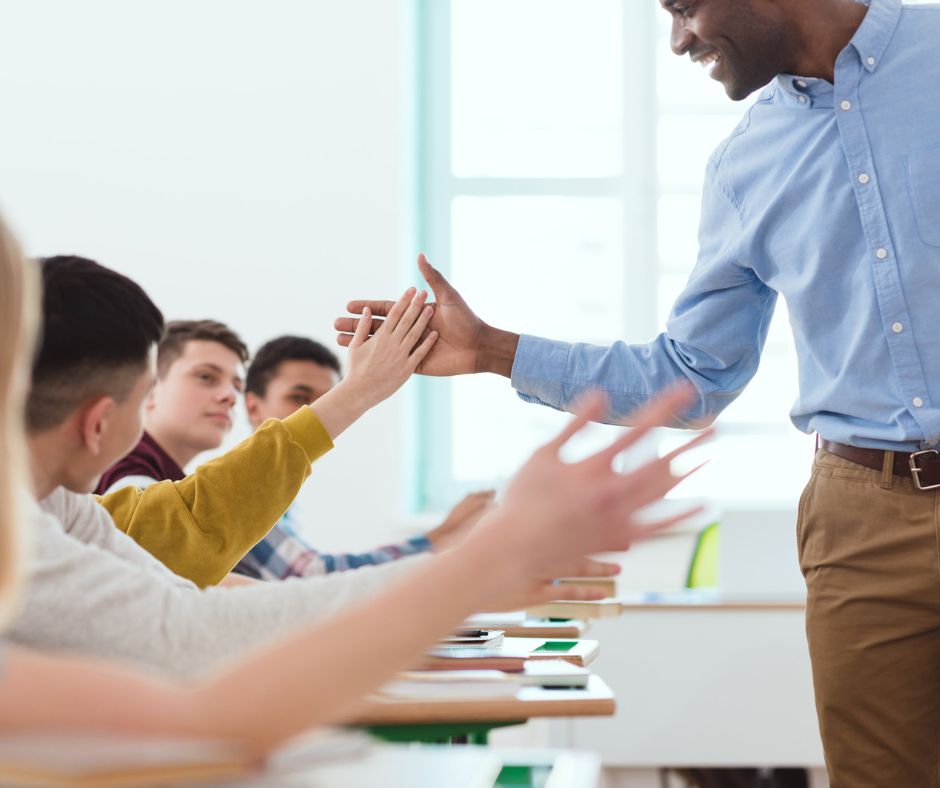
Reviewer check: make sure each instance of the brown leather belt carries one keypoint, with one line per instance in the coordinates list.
(921, 466)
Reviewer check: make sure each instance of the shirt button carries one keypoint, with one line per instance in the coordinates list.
(846, 105)
(918, 402)
(881, 254)
(801, 83)
(897, 328)
(863, 178)
(803, 99)
(870, 61)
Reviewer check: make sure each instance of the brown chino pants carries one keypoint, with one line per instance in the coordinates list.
(870, 552)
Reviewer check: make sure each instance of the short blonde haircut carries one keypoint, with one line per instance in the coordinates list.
(19, 307)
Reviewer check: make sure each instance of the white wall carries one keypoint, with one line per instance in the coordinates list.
(245, 161)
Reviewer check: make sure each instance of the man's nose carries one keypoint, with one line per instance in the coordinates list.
(228, 394)
(681, 39)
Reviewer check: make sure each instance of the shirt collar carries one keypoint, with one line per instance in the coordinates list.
(874, 34)
(870, 42)
(150, 451)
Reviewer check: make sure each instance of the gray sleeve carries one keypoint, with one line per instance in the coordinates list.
(84, 598)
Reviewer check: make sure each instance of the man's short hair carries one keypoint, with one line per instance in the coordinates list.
(287, 348)
(180, 332)
(98, 327)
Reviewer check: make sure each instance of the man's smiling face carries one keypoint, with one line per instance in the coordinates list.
(743, 44)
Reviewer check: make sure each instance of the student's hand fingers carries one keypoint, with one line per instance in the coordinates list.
(703, 437)
(591, 407)
(631, 532)
(348, 325)
(417, 330)
(362, 330)
(645, 476)
(396, 312)
(640, 490)
(656, 413)
(411, 314)
(591, 567)
(376, 307)
(421, 352)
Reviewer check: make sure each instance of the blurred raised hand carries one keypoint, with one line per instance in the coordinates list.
(555, 513)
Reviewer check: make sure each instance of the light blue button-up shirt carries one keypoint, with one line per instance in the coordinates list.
(830, 197)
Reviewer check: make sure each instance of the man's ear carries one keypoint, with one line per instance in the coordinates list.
(151, 402)
(252, 406)
(94, 422)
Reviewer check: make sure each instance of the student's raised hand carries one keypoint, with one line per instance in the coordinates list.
(465, 345)
(555, 512)
(460, 520)
(378, 365)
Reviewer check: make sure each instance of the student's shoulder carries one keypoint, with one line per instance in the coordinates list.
(79, 514)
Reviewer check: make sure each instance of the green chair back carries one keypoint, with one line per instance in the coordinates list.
(703, 568)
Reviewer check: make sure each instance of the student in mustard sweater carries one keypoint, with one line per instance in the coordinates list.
(200, 377)
(285, 687)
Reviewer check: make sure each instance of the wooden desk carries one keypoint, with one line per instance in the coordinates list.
(596, 700)
(603, 608)
(690, 599)
(547, 628)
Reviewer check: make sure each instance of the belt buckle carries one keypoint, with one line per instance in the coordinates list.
(916, 471)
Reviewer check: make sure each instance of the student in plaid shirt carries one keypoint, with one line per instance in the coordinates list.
(200, 376)
(288, 373)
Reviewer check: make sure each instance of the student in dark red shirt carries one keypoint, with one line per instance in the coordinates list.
(200, 374)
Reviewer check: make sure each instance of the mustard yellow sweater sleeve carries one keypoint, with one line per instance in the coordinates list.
(202, 526)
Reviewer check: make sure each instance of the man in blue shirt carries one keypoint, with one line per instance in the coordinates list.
(827, 194)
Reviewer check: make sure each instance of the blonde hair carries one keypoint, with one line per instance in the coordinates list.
(18, 320)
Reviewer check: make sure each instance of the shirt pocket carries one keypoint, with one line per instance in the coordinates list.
(923, 173)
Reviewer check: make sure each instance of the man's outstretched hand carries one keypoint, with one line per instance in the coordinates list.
(465, 343)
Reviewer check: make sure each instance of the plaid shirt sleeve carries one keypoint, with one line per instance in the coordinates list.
(283, 553)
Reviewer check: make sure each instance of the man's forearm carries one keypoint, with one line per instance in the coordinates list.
(497, 352)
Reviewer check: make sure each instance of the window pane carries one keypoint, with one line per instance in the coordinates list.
(678, 218)
(771, 394)
(536, 88)
(768, 467)
(685, 144)
(556, 260)
(559, 262)
(494, 432)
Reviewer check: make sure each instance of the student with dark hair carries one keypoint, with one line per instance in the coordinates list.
(98, 339)
(199, 378)
(290, 372)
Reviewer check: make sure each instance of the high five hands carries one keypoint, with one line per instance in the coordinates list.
(465, 344)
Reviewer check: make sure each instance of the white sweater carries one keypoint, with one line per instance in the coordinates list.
(93, 590)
